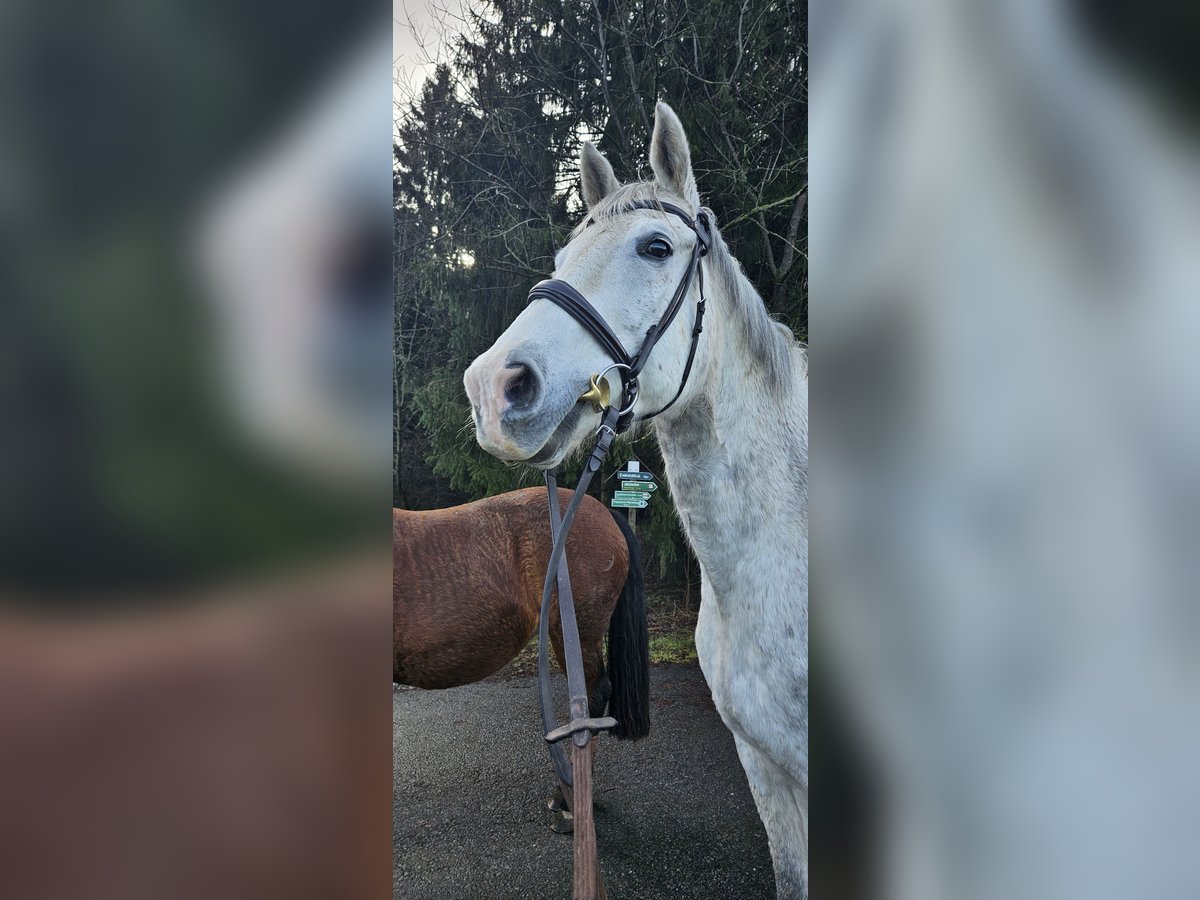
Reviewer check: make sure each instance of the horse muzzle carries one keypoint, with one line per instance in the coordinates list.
(518, 415)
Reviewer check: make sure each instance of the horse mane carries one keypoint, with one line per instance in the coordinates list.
(767, 339)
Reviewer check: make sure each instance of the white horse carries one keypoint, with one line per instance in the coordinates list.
(735, 446)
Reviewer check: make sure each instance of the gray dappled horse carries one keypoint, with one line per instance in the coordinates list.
(735, 444)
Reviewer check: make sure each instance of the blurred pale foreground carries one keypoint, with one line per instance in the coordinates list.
(195, 605)
(1005, 303)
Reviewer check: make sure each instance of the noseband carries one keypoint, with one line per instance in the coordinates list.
(617, 418)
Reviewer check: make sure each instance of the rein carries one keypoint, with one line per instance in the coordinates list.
(617, 418)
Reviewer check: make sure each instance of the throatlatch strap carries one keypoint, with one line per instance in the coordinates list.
(696, 331)
(687, 368)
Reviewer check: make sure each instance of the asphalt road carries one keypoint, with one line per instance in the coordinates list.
(674, 815)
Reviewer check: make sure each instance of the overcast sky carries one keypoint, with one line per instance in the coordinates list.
(416, 37)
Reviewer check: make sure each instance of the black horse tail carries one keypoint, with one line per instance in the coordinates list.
(629, 648)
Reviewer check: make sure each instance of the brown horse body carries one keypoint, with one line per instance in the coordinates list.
(467, 590)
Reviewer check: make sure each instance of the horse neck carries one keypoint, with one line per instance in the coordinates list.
(736, 451)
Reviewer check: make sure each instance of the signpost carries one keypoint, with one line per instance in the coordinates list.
(635, 474)
(628, 504)
(631, 495)
(638, 485)
(636, 488)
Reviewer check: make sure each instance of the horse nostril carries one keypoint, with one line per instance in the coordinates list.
(522, 386)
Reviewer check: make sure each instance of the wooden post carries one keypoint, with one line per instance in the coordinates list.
(634, 466)
(589, 882)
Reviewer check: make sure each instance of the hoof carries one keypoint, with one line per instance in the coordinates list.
(556, 803)
(564, 823)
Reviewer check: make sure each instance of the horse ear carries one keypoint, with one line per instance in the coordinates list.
(670, 157)
(598, 178)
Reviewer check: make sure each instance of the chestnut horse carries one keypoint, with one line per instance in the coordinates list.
(467, 591)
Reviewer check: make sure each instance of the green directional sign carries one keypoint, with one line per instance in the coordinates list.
(631, 495)
(627, 504)
(638, 486)
(635, 476)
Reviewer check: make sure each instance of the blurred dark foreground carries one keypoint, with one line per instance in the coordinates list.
(195, 315)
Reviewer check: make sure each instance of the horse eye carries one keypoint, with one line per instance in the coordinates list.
(657, 248)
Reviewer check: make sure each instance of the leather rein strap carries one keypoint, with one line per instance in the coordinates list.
(616, 418)
(580, 727)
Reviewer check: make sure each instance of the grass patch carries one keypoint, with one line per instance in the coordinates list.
(672, 640)
(677, 647)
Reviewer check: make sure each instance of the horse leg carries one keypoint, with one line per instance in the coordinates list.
(591, 646)
(783, 807)
(563, 822)
(599, 690)
(599, 687)
(558, 800)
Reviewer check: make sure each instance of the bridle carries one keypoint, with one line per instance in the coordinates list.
(565, 297)
(617, 418)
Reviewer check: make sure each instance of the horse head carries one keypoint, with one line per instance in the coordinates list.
(628, 259)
